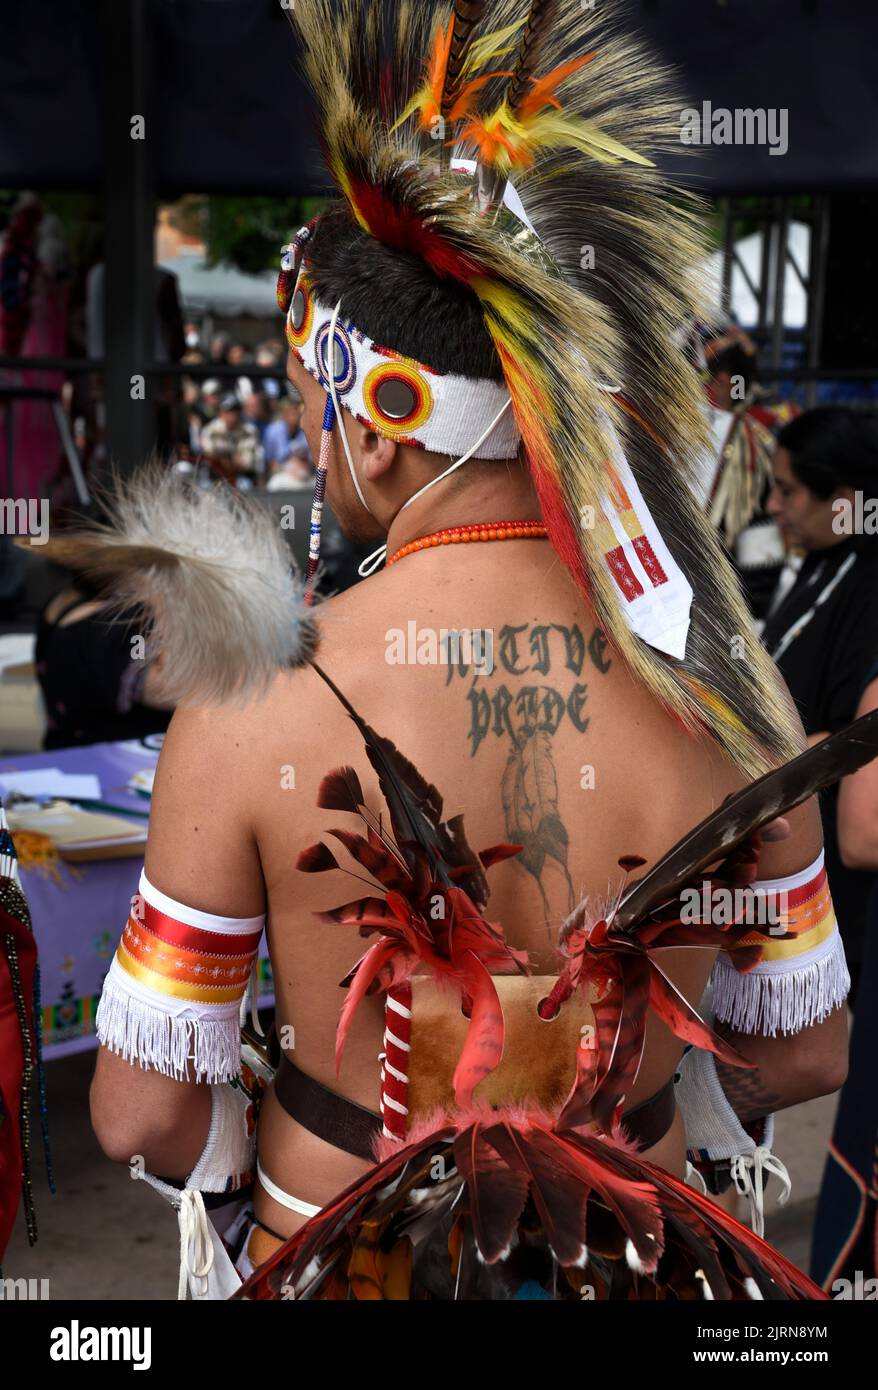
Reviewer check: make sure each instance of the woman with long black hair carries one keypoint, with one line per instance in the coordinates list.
(824, 633)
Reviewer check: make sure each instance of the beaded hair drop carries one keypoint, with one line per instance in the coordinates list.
(291, 260)
(318, 500)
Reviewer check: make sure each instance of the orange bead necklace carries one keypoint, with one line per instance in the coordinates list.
(482, 531)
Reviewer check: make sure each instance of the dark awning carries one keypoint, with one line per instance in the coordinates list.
(228, 113)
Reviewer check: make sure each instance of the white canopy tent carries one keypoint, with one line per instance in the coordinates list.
(749, 251)
(221, 291)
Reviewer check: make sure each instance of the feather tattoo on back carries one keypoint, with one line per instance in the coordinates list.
(530, 803)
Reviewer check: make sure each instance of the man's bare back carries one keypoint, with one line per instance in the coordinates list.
(556, 749)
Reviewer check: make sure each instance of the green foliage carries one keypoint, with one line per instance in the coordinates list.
(247, 233)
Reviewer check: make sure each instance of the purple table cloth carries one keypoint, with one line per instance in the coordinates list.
(78, 922)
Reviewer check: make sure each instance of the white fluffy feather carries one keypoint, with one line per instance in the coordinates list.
(211, 575)
(632, 1258)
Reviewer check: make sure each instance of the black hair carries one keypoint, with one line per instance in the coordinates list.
(396, 299)
(736, 362)
(833, 447)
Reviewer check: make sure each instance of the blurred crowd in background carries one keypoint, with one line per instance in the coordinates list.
(247, 431)
(241, 425)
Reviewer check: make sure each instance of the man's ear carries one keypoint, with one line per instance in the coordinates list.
(377, 454)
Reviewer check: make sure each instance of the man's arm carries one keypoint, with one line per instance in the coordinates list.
(858, 805)
(138, 1113)
(202, 852)
(791, 1068)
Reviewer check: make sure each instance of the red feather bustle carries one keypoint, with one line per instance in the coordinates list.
(403, 230)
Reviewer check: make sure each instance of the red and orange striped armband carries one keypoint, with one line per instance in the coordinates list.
(174, 991)
(802, 976)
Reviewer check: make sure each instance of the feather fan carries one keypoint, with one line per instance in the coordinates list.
(503, 1207)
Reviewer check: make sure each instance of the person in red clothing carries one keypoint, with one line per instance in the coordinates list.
(20, 1059)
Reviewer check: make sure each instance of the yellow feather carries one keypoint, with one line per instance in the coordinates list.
(414, 105)
(482, 51)
(339, 173)
(518, 140)
(486, 49)
(505, 301)
(553, 130)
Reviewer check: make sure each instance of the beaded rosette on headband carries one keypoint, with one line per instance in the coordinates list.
(508, 144)
(395, 396)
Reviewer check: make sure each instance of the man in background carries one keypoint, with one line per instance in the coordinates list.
(823, 635)
(736, 477)
(231, 445)
(287, 454)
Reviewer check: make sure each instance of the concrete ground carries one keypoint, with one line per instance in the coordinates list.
(104, 1237)
(101, 1236)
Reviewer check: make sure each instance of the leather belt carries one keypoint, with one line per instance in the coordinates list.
(353, 1128)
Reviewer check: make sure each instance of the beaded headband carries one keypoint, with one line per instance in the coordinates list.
(396, 396)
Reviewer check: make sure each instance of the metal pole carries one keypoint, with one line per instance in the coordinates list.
(764, 262)
(129, 199)
(817, 292)
(728, 214)
(70, 453)
(780, 275)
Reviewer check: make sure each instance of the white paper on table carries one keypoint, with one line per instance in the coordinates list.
(51, 781)
(143, 781)
(16, 649)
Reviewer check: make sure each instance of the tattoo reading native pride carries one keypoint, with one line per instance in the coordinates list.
(529, 715)
(538, 707)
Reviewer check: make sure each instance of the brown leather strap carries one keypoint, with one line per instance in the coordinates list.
(324, 1113)
(351, 1127)
(650, 1121)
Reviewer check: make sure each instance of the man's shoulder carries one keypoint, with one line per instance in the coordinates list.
(343, 616)
(226, 752)
(281, 704)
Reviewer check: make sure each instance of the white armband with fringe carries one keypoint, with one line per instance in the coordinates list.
(174, 991)
(802, 975)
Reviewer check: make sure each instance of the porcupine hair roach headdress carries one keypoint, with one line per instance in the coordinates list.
(583, 290)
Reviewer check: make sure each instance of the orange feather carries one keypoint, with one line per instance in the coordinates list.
(543, 91)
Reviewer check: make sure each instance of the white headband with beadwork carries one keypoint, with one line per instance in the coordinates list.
(396, 396)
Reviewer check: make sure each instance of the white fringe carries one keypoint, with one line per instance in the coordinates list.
(144, 1034)
(765, 1000)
